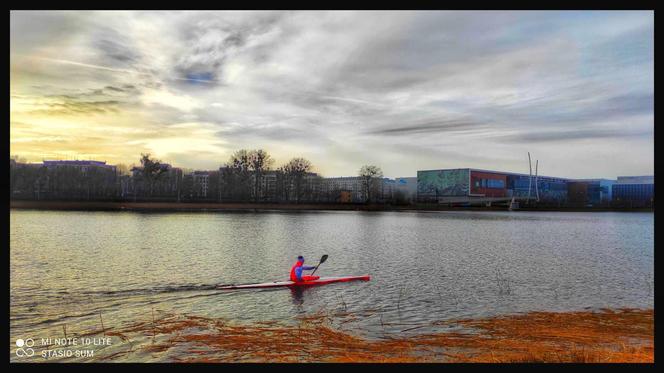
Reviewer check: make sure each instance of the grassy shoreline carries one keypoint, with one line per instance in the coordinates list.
(616, 336)
(214, 206)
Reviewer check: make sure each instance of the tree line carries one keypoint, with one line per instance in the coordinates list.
(247, 176)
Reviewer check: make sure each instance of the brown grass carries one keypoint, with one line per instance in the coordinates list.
(608, 336)
(624, 335)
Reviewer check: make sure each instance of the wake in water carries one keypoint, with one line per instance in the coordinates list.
(153, 290)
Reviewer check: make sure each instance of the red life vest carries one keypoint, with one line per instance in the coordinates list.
(293, 277)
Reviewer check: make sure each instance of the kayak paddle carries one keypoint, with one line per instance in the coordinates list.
(322, 260)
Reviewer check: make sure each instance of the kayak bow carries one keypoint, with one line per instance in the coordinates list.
(276, 284)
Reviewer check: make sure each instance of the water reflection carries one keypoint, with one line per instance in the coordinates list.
(297, 293)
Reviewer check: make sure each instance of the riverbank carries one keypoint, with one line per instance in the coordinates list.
(211, 206)
(614, 336)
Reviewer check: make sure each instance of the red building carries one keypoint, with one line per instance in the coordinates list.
(488, 184)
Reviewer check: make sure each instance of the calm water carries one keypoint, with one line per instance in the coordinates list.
(67, 267)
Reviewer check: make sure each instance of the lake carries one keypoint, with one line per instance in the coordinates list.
(68, 267)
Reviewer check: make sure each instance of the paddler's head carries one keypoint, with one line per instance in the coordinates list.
(300, 259)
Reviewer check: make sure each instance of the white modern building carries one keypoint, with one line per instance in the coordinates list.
(201, 180)
(330, 186)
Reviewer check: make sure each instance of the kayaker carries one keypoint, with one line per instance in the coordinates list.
(296, 271)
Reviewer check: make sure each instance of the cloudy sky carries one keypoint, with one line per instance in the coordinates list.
(402, 90)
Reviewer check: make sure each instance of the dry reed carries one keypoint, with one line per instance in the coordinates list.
(624, 335)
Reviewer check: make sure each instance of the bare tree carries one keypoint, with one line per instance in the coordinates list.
(24, 181)
(369, 175)
(259, 162)
(41, 181)
(152, 170)
(236, 175)
(282, 184)
(295, 171)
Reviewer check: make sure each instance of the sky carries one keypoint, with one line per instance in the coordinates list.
(404, 90)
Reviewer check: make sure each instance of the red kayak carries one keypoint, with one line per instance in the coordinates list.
(276, 284)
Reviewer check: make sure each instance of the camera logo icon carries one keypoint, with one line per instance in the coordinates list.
(24, 347)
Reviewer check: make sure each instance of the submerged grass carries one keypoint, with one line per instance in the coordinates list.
(624, 335)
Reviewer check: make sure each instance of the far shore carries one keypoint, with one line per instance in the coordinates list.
(215, 206)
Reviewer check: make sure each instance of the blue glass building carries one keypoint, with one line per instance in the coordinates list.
(634, 191)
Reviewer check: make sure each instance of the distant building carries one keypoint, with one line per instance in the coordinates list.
(65, 179)
(166, 186)
(200, 181)
(86, 179)
(96, 180)
(634, 191)
(352, 188)
(635, 180)
(275, 186)
(82, 165)
(590, 191)
(28, 165)
(201, 185)
(338, 189)
(465, 184)
(386, 193)
(268, 186)
(405, 187)
(126, 186)
(345, 197)
(310, 188)
(27, 180)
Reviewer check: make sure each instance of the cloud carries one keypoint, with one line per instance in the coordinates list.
(67, 107)
(433, 126)
(408, 89)
(578, 134)
(209, 42)
(114, 48)
(162, 97)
